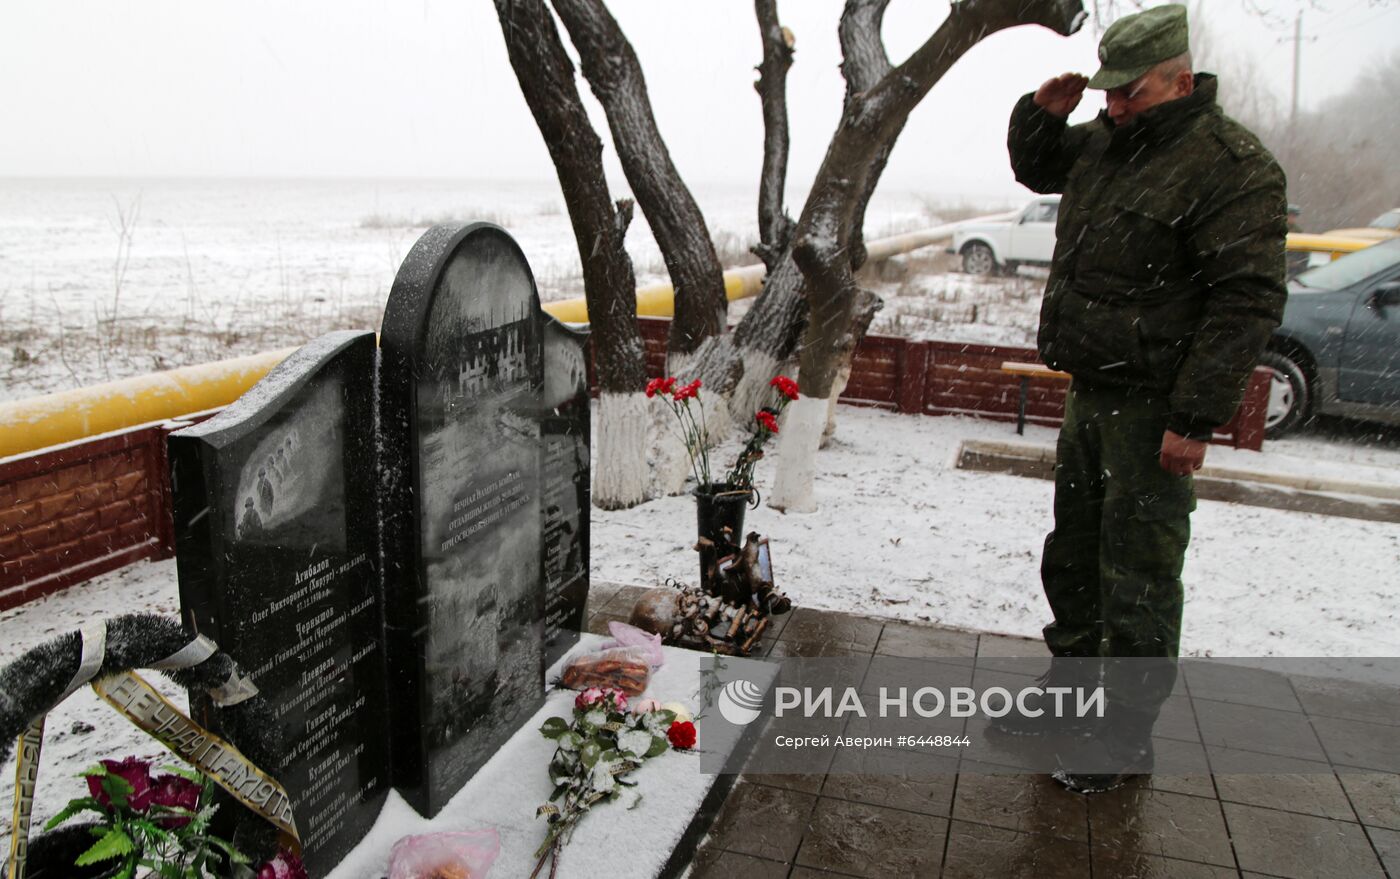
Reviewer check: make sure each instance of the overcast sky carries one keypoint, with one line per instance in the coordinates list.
(422, 88)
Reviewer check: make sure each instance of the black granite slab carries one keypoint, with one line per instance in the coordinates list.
(460, 399)
(565, 503)
(275, 530)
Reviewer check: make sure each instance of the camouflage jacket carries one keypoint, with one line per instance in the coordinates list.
(1168, 273)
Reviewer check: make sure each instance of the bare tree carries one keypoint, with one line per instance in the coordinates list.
(547, 80)
(1340, 158)
(810, 293)
(610, 65)
(878, 102)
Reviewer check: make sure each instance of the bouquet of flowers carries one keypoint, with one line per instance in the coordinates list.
(596, 750)
(697, 437)
(160, 823)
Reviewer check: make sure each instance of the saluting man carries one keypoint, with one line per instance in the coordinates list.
(1167, 280)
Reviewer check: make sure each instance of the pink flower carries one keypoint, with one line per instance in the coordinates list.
(285, 866)
(766, 419)
(588, 698)
(134, 772)
(175, 792)
(646, 706)
(786, 386)
(619, 698)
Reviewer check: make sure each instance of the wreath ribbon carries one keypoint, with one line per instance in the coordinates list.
(137, 701)
(26, 776)
(140, 703)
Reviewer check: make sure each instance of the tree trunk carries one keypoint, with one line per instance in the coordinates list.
(613, 72)
(864, 63)
(810, 292)
(875, 112)
(737, 367)
(546, 79)
(774, 225)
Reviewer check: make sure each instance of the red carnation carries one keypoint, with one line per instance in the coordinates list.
(686, 392)
(786, 386)
(765, 418)
(682, 735)
(134, 772)
(660, 386)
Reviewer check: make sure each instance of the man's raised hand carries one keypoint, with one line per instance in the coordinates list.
(1059, 96)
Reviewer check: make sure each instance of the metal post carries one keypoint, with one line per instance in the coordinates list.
(1297, 59)
(1021, 408)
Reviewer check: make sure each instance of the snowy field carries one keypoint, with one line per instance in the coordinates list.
(105, 279)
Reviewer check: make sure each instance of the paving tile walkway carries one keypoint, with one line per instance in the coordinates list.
(964, 823)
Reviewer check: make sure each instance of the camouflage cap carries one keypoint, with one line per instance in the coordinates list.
(1134, 43)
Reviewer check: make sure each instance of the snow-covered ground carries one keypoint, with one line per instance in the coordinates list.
(902, 533)
(926, 298)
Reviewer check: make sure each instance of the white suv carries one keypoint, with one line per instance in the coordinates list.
(1001, 244)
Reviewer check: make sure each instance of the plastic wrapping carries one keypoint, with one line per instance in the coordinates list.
(624, 668)
(625, 635)
(455, 855)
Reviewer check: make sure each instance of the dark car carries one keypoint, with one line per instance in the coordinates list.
(1337, 351)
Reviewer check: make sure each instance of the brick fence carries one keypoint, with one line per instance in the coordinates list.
(82, 510)
(72, 512)
(957, 378)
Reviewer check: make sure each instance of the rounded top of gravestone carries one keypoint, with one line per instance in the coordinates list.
(454, 282)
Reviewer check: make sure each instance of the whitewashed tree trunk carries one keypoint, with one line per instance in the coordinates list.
(753, 389)
(837, 389)
(546, 76)
(668, 464)
(803, 423)
(620, 475)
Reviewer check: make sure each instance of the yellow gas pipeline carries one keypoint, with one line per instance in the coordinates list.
(53, 419)
(40, 422)
(659, 300)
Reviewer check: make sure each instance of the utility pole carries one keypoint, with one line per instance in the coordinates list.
(1297, 59)
(1297, 40)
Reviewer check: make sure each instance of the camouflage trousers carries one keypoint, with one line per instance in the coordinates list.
(1112, 565)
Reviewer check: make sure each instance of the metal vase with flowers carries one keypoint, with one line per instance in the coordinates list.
(720, 504)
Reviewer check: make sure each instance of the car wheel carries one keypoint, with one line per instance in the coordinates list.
(1289, 395)
(978, 259)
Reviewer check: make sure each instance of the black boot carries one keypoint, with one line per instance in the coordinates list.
(1065, 673)
(1123, 750)
(1125, 761)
